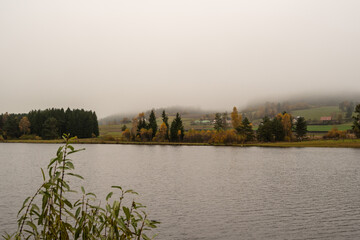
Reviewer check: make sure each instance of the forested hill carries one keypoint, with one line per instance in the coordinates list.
(49, 124)
(312, 107)
(122, 118)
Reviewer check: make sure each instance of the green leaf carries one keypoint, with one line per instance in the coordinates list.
(77, 212)
(83, 189)
(71, 147)
(43, 174)
(131, 191)
(77, 232)
(75, 151)
(117, 187)
(145, 237)
(70, 165)
(109, 196)
(31, 225)
(26, 200)
(67, 203)
(127, 213)
(75, 175)
(52, 161)
(59, 150)
(91, 194)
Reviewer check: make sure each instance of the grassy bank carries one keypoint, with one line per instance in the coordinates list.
(347, 143)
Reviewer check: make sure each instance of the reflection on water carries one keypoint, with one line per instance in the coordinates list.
(209, 192)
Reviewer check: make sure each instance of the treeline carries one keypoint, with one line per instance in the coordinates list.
(126, 118)
(147, 130)
(347, 107)
(238, 130)
(49, 124)
(271, 109)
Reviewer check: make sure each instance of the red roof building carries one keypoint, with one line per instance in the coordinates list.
(325, 119)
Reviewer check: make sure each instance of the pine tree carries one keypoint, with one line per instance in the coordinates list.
(141, 123)
(165, 120)
(50, 130)
(277, 129)
(265, 132)
(248, 132)
(300, 128)
(152, 123)
(11, 126)
(218, 125)
(95, 125)
(177, 129)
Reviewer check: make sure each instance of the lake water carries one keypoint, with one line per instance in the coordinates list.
(209, 192)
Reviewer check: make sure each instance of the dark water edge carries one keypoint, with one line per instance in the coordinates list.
(209, 192)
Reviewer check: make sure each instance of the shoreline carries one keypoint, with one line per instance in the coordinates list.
(346, 143)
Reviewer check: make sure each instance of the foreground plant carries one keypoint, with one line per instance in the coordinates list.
(49, 214)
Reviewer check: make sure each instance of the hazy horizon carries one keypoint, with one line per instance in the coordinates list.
(122, 56)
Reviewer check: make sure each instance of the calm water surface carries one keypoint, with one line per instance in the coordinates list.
(209, 192)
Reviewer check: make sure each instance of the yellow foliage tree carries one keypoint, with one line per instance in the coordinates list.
(24, 125)
(146, 134)
(134, 126)
(236, 119)
(160, 135)
(286, 122)
(126, 134)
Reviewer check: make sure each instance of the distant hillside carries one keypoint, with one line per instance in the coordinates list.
(312, 107)
(186, 112)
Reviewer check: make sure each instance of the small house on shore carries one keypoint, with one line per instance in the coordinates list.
(326, 120)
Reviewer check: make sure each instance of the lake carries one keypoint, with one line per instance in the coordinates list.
(201, 192)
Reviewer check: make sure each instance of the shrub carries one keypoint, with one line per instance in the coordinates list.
(28, 137)
(58, 218)
(334, 133)
(108, 138)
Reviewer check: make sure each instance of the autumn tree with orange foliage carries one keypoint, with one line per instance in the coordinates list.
(134, 127)
(146, 134)
(236, 119)
(161, 135)
(126, 134)
(24, 125)
(286, 121)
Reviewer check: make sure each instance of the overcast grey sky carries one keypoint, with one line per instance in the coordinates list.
(118, 56)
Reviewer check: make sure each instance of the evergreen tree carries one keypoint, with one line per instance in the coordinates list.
(247, 129)
(95, 124)
(224, 117)
(277, 129)
(141, 123)
(177, 129)
(165, 120)
(1, 122)
(300, 128)
(152, 123)
(80, 123)
(264, 132)
(11, 126)
(219, 124)
(356, 123)
(50, 130)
